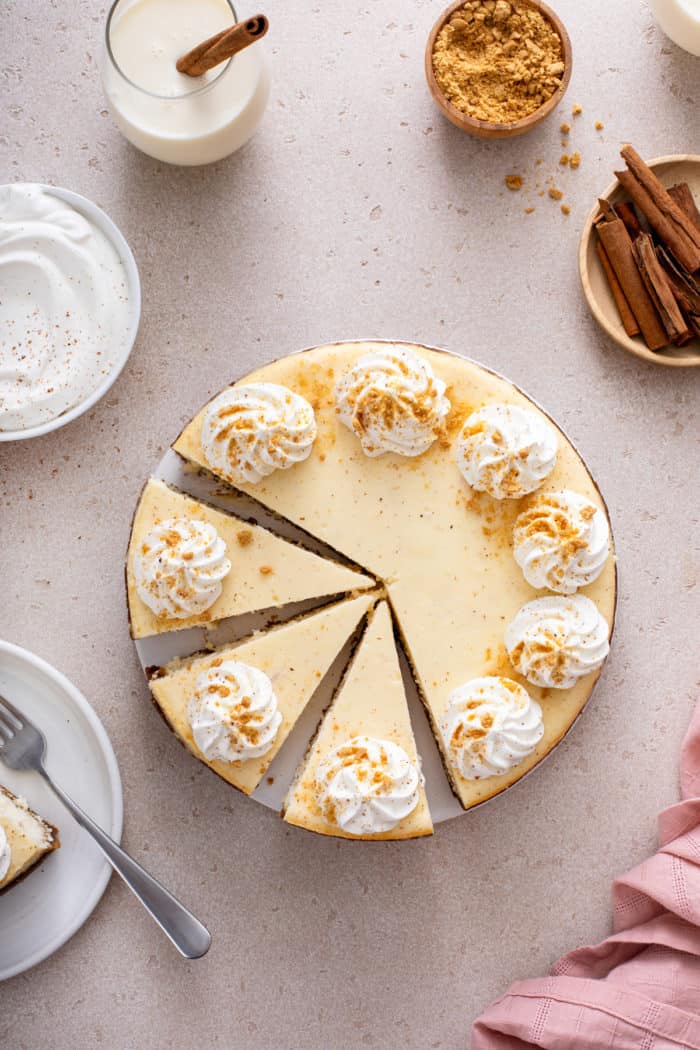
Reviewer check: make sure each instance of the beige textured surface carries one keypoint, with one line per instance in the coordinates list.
(355, 212)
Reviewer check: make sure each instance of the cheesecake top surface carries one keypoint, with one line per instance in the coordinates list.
(443, 547)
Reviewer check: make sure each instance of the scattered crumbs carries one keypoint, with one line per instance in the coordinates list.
(514, 182)
(599, 125)
(554, 193)
(529, 211)
(565, 209)
(245, 537)
(564, 159)
(539, 160)
(266, 570)
(270, 780)
(565, 129)
(576, 110)
(575, 160)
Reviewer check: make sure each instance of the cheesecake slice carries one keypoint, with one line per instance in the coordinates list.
(362, 770)
(25, 839)
(283, 666)
(238, 568)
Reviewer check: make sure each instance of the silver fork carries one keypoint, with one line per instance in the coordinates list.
(23, 746)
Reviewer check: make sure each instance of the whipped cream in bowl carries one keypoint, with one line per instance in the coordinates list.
(554, 641)
(233, 713)
(491, 725)
(392, 400)
(253, 429)
(561, 541)
(70, 302)
(367, 786)
(506, 450)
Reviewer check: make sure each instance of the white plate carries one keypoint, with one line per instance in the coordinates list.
(42, 912)
(112, 232)
(160, 649)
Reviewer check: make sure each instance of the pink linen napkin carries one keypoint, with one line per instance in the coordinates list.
(640, 988)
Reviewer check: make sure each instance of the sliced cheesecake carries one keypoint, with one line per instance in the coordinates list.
(25, 839)
(264, 571)
(443, 549)
(293, 657)
(366, 724)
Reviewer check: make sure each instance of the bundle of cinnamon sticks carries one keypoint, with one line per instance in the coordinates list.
(653, 272)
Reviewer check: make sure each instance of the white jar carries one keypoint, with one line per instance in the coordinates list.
(166, 114)
(680, 21)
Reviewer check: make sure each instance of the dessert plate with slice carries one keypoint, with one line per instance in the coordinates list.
(47, 892)
(441, 558)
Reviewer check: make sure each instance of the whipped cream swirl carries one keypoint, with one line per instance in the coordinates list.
(179, 568)
(506, 450)
(233, 713)
(554, 641)
(561, 541)
(393, 402)
(367, 786)
(490, 726)
(5, 854)
(252, 430)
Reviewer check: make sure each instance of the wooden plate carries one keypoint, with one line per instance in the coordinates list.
(681, 167)
(485, 128)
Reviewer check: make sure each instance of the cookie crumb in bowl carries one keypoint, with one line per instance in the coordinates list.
(497, 67)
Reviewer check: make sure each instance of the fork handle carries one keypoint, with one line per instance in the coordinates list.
(191, 938)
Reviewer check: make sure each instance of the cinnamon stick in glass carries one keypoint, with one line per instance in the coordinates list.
(618, 246)
(660, 290)
(222, 46)
(624, 309)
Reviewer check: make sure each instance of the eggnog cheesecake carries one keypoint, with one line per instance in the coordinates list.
(234, 708)
(361, 777)
(25, 839)
(449, 485)
(189, 564)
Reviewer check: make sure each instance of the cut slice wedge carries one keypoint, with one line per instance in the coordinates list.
(29, 838)
(267, 571)
(294, 656)
(370, 702)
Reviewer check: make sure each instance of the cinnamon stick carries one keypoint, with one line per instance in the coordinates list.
(222, 46)
(623, 307)
(683, 197)
(625, 211)
(660, 290)
(606, 210)
(668, 220)
(194, 56)
(684, 287)
(618, 246)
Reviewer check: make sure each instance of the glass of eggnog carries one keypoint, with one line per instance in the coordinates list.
(169, 115)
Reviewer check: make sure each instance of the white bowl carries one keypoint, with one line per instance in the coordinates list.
(113, 234)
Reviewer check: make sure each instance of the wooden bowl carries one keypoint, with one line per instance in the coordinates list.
(484, 128)
(682, 167)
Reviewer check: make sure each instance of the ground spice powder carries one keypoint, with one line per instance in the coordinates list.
(498, 60)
